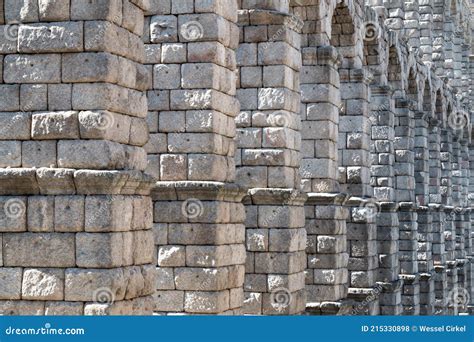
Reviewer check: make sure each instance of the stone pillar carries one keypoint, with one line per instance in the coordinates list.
(456, 172)
(434, 143)
(455, 265)
(363, 259)
(448, 48)
(471, 88)
(465, 76)
(74, 202)
(404, 143)
(411, 24)
(463, 228)
(465, 296)
(439, 258)
(450, 243)
(389, 264)
(456, 80)
(355, 132)
(354, 178)
(382, 144)
(268, 162)
(446, 150)
(426, 31)
(425, 260)
(425, 238)
(470, 240)
(396, 15)
(408, 244)
(321, 103)
(383, 182)
(438, 37)
(465, 169)
(458, 220)
(421, 159)
(198, 214)
(446, 199)
(326, 273)
(438, 217)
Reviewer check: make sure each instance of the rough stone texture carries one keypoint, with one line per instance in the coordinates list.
(306, 157)
(59, 244)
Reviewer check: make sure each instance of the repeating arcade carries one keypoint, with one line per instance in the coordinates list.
(261, 157)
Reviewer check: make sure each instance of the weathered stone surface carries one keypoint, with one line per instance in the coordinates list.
(15, 126)
(10, 153)
(85, 10)
(57, 125)
(63, 309)
(53, 10)
(56, 37)
(10, 285)
(55, 181)
(34, 97)
(43, 284)
(69, 213)
(21, 11)
(90, 285)
(103, 250)
(42, 68)
(13, 213)
(108, 213)
(39, 154)
(39, 250)
(40, 214)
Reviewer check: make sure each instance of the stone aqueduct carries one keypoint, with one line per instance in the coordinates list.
(236, 157)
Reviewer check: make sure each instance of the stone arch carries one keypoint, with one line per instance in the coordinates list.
(395, 70)
(452, 10)
(449, 109)
(324, 64)
(343, 35)
(375, 58)
(382, 173)
(354, 149)
(354, 125)
(428, 101)
(412, 87)
(440, 113)
(269, 126)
